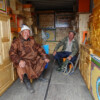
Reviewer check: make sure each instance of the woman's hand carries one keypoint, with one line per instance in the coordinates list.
(47, 60)
(22, 63)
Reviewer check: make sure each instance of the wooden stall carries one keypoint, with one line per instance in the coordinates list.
(6, 67)
(89, 67)
(85, 63)
(95, 77)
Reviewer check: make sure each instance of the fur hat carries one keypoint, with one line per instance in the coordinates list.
(25, 27)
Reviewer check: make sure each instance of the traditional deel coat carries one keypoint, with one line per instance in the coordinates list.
(32, 53)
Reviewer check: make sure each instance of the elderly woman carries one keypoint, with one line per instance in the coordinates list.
(28, 57)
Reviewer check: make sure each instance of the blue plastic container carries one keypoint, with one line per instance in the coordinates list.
(46, 49)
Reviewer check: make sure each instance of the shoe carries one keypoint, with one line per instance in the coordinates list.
(59, 69)
(28, 84)
(59, 63)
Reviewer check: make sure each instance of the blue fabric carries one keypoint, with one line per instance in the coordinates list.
(64, 54)
(46, 66)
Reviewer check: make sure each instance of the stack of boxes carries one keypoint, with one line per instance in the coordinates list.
(15, 11)
(21, 14)
(28, 10)
(46, 20)
(29, 20)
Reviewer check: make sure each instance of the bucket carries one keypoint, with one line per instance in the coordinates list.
(46, 48)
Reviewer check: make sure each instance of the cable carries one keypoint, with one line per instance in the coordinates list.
(49, 81)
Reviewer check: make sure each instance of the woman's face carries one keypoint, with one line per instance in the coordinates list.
(25, 34)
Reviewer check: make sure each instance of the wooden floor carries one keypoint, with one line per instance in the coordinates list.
(61, 88)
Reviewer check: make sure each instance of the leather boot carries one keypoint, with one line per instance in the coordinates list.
(28, 84)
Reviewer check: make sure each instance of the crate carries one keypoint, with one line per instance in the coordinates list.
(61, 33)
(13, 4)
(16, 5)
(28, 21)
(29, 9)
(19, 5)
(46, 20)
(17, 12)
(28, 14)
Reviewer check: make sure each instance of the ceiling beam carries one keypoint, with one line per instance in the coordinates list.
(50, 0)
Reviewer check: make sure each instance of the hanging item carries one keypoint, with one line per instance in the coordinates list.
(44, 36)
(50, 34)
(84, 41)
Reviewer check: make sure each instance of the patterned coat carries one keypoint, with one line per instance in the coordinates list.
(64, 42)
(32, 53)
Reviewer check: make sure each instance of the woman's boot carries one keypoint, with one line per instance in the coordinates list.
(28, 84)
